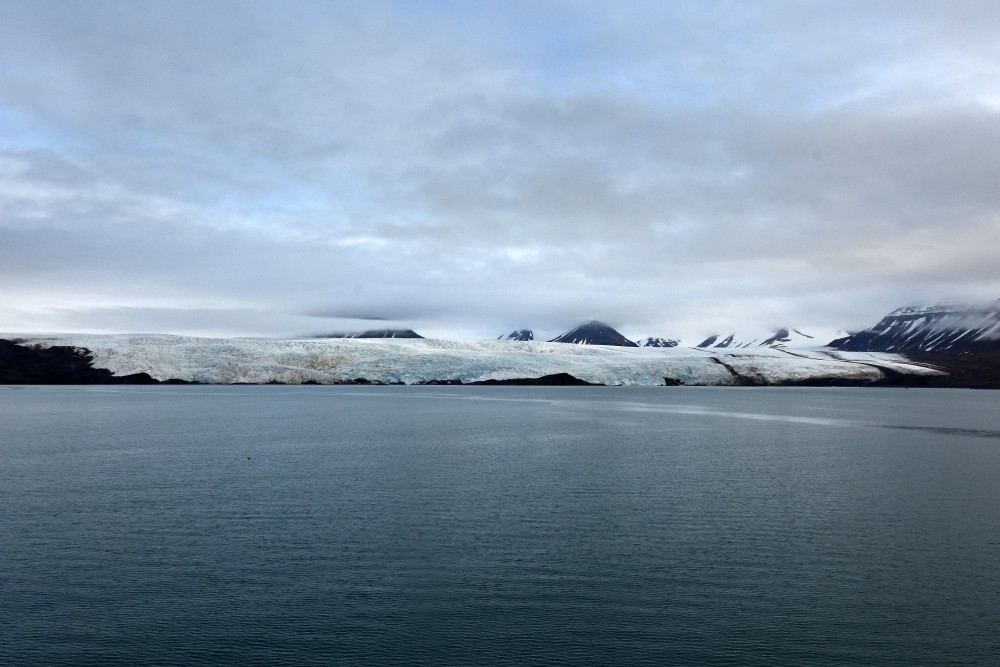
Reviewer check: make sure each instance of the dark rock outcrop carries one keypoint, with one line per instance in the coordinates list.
(556, 379)
(34, 364)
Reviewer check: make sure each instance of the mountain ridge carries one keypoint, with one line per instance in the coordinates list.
(929, 330)
(943, 346)
(777, 338)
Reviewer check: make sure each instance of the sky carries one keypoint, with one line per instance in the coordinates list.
(466, 168)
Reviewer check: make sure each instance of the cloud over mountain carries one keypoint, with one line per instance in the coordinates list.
(247, 168)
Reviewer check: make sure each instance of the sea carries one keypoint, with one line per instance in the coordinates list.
(438, 525)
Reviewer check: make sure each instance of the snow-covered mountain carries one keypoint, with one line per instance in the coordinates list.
(594, 333)
(519, 334)
(781, 338)
(590, 333)
(922, 330)
(938, 345)
(658, 342)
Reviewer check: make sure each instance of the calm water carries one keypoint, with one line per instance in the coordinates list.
(499, 525)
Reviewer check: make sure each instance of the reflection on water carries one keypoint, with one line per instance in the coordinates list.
(499, 525)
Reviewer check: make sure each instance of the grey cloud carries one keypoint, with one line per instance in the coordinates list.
(668, 167)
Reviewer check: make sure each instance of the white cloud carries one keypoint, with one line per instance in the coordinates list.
(671, 168)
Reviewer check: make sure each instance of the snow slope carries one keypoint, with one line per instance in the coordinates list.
(412, 361)
(785, 337)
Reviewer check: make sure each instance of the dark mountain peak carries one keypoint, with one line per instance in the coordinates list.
(519, 334)
(654, 341)
(923, 330)
(376, 333)
(594, 333)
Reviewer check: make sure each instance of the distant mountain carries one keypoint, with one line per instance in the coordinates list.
(781, 338)
(930, 330)
(594, 333)
(659, 342)
(376, 333)
(519, 334)
(936, 346)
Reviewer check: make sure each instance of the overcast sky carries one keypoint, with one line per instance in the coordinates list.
(465, 168)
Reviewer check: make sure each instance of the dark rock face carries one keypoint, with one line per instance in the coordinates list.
(658, 342)
(376, 333)
(520, 334)
(594, 333)
(970, 370)
(556, 379)
(937, 330)
(30, 364)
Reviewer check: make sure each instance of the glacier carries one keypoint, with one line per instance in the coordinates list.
(417, 361)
